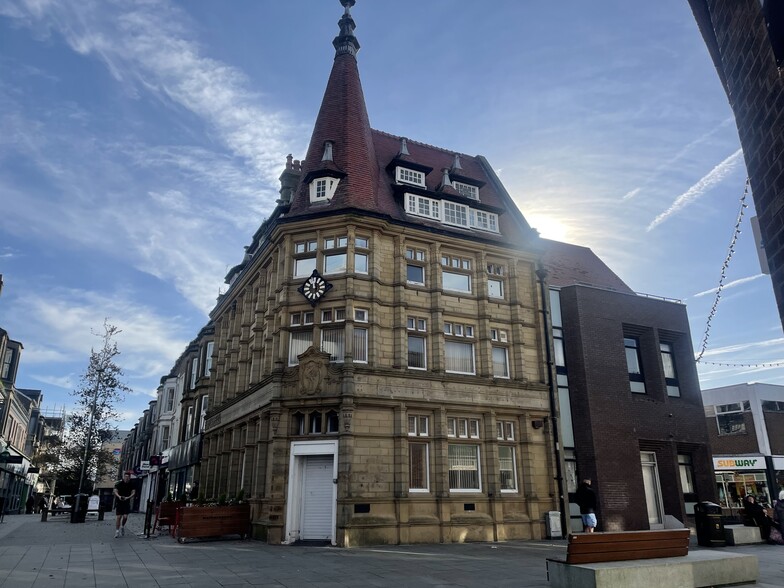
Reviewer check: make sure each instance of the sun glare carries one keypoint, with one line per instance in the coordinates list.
(548, 226)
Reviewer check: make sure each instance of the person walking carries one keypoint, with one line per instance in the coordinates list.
(123, 494)
(586, 500)
(778, 513)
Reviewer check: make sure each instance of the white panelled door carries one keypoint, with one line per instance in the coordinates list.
(317, 498)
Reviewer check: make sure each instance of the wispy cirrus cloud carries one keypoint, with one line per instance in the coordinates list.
(149, 47)
(715, 176)
(728, 285)
(667, 165)
(764, 346)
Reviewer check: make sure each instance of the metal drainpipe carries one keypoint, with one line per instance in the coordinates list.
(542, 273)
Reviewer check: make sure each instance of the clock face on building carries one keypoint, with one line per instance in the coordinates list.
(314, 288)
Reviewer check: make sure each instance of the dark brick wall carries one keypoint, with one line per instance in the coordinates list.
(774, 422)
(611, 424)
(733, 444)
(736, 35)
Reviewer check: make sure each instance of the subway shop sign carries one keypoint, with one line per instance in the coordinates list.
(738, 463)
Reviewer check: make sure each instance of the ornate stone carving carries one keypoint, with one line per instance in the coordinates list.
(313, 367)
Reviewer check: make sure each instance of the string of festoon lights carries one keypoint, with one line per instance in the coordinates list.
(725, 265)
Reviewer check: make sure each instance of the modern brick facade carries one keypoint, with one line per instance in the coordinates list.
(746, 41)
(612, 428)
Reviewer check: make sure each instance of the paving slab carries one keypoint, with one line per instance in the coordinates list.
(58, 554)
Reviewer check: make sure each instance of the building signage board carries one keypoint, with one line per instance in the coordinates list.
(778, 463)
(145, 466)
(739, 463)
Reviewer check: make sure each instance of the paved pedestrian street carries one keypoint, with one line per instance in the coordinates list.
(58, 554)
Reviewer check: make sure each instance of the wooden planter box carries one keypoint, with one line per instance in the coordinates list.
(212, 521)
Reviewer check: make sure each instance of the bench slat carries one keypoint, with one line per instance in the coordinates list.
(624, 546)
(625, 555)
(619, 536)
(628, 546)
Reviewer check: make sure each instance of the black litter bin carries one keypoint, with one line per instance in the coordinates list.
(710, 528)
(79, 515)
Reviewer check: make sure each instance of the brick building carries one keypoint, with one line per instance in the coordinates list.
(746, 428)
(378, 372)
(629, 395)
(745, 38)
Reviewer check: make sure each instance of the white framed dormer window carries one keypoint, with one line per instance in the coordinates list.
(409, 176)
(484, 221)
(466, 190)
(422, 206)
(455, 214)
(323, 189)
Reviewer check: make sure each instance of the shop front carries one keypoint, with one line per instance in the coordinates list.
(741, 476)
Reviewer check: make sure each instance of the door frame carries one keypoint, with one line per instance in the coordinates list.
(299, 451)
(657, 489)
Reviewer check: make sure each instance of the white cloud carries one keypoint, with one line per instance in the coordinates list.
(728, 285)
(67, 319)
(715, 176)
(149, 46)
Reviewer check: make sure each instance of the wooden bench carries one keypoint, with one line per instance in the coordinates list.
(627, 545)
(213, 521)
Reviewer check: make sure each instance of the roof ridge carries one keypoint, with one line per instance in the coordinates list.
(422, 143)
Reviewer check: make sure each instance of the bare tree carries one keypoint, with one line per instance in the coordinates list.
(92, 423)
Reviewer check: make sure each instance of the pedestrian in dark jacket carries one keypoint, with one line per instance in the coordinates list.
(778, 512)
(586, 500)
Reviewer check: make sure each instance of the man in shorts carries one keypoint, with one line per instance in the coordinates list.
(586, 500)
(123, 495)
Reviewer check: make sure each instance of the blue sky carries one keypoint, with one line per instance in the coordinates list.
(140, 145)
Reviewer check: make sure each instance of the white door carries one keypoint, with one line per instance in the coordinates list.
(653, 499)
(317, 498)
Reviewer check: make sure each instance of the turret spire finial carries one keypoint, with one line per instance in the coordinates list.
(346, 42)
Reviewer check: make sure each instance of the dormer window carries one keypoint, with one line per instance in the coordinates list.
(466, 190)
(410, 176)
(323, 189)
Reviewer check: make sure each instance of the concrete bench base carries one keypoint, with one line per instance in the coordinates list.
(699, 568)
(740, 535)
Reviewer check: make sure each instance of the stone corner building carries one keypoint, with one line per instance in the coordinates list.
(379, 373)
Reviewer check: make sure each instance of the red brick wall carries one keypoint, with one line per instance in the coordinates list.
(733, 444)
(774, 422)
(611, 424)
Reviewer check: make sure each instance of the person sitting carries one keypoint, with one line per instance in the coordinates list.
(756, 516)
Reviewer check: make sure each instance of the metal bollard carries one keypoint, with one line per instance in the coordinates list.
(100, 513)
(44, 514)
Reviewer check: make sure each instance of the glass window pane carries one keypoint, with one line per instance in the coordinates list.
(360, 345)
(361, 263)
(415, 274)
(456, 282)
(464, 467)
(304, 267)
(500, 363)
(335, 264)
(506, 462)
(459, 357)
(495, 288)
(298, 344)
(333, 341)
(416, 352)
(417, 466)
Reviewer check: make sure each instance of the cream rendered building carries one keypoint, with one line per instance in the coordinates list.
(379, 371)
